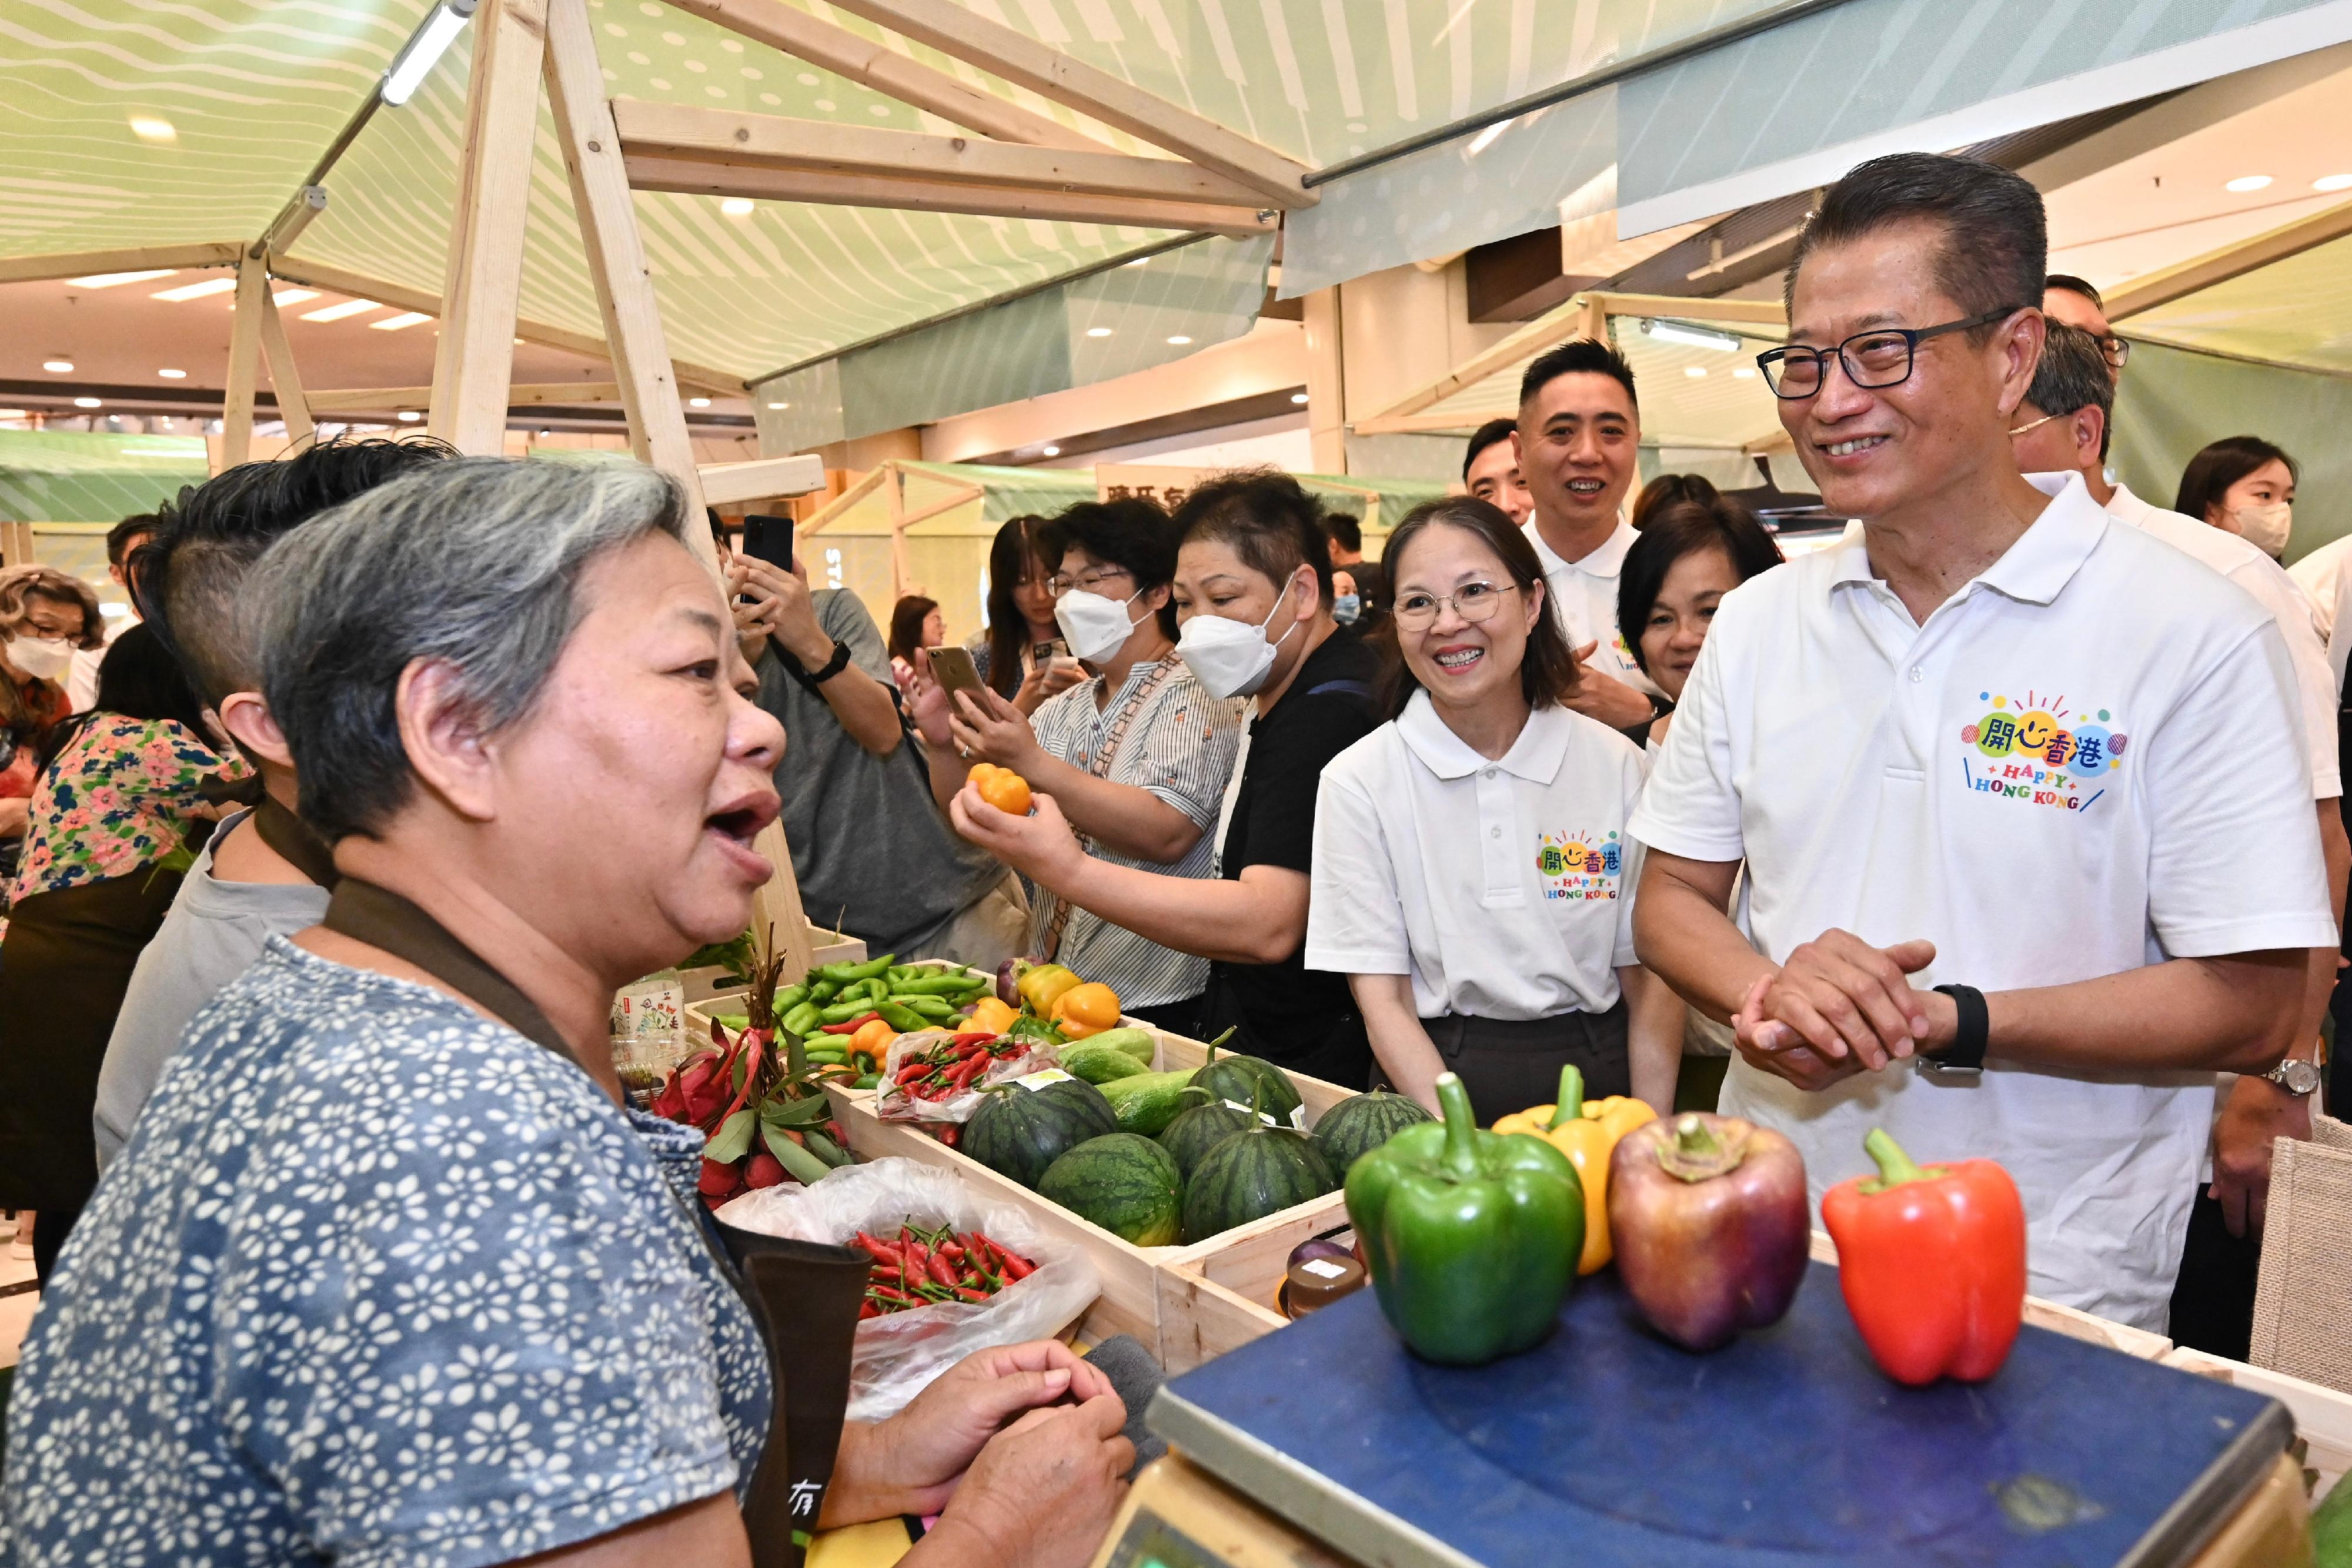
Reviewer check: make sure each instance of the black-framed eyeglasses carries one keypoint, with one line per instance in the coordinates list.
(1879, 358)
(2116, 349)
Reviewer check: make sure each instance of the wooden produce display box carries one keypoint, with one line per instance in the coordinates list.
(1184, 1303)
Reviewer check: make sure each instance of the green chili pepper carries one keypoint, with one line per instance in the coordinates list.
(937, 1009)
(842, 1012)
(877, 987)
(845, 972)
(870, 1080)
(822, 992)
(803, 1019)
(1473, 1236)
(790, 997)
(899, 1017)
(935, 986)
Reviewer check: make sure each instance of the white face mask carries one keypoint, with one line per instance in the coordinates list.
(1093, 625)
(48, 657)
(1231, 657)
(2265, 527)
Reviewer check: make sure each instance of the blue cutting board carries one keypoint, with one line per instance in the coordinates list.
(1608, 1446)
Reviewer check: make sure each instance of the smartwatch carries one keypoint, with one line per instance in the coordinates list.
(1964, 1058)
(833, 666)
(2295, 1076)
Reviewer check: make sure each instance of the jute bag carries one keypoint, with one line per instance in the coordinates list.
(2303, 1301)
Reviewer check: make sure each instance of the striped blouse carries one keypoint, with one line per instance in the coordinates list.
(1180, 746)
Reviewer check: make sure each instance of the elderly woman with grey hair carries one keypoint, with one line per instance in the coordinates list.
(388, 1272)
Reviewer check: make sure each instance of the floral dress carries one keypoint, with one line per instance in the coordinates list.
(120, 796)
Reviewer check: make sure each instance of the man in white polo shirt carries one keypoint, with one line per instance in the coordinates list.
(1577, 445)
(1958, 750)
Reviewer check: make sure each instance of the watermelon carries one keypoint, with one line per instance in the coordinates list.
(1355, 1126)
(1249, 1175)
(1017, 1132)
(1123, 1182)
(1232, 1077)
(1199, 1127)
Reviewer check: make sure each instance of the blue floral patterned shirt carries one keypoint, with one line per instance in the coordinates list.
(377, 1281)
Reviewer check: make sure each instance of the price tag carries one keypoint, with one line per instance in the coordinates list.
(1262, 1115)
(1033, 1082)
(1299, 1118)
(1324, 1269)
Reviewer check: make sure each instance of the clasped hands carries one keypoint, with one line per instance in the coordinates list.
(1838, 1006)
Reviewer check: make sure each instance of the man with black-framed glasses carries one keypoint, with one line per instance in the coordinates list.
(2000, 821)
(2071, 299)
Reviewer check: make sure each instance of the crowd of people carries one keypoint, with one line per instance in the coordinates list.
(320, 894)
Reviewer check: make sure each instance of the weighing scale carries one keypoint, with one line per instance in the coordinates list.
(1327, 1442)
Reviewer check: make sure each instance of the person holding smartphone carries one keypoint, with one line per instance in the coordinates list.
(1022, 653)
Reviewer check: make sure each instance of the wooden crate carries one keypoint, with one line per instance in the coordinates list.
(712, 990)
(1174, 1317)
(2323, 1416)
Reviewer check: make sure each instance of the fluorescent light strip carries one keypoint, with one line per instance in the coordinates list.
(406, 318)
(424, 50)
(1692, 337)
(187, 292)
(110, 279)
(338, 312)
(293, 296)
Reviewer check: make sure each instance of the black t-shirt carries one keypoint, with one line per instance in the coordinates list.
(1289, 1014)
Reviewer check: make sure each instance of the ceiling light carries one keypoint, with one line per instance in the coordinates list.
(2333, 182)
(87, 402)
(13, 414)
(154, 127)
(109, 280)
(698, 402)
(1178, 341)
(1050, 451)
(408, 416)
(57, 367)
(338, 312)
(424, 51)
(736, 206)
(1097, 332)
(1689, 335)
(1743, 373)
(293, 296)
(173, 375)
(1140, 261)
(396, 323)
(1298, 397)
(779, 407)
(187, 292)
(1695, 372)
(2245, 182)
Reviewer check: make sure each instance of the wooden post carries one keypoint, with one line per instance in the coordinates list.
(779, 904)
(1593, 317)
(894, 493)
(617, 258)
(1327, 411)
(284, 379)
(475, 361)
(243, 360)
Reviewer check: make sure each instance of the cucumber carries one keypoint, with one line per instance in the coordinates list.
(1147, 1101)
(1098, 1063)
(1138, 1043)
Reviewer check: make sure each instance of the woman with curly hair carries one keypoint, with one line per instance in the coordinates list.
(45, 617)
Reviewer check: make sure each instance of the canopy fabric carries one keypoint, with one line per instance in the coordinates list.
(92, 477)
(2295, 312)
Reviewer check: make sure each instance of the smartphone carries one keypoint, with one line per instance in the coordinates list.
(955, 672)
(769, 538)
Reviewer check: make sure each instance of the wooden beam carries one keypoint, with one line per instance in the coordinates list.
(936, 196)
(777, 907)
(894, 495)
(760, 478)
(1741, 312)
(616, 259)
(2171, 283)
(384, 291)
(92, 262)
(841, 504)
(1022, 60)
(473, 361)
(244, 360)
(521, 394)
(731, 137)
(784, 27)
(285, 380)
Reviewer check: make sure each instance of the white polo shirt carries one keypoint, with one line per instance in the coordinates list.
(2246, 565)
(1503, 887)
(1584, 592)
(2320, 574)
(2084, 762)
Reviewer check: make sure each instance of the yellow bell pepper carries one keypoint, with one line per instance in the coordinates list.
(1588, 1137)
(990, 1014)
(1042, 987)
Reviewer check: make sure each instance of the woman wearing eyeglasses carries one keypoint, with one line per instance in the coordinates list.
(1472, 878)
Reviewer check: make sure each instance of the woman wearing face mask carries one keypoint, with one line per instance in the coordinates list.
(2245, 485)
(1694, 548)
(1253, 587)
(1020, 654)
(45, 617)
(1472, 878)
(1136, 756)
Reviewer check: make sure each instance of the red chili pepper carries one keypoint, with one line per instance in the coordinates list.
(944, 1272)
(949, 1134)
(982, 1036)
(1932, 1263)
(867, 1309)
(968, 1294)
(1015, 1266)
(881, 1251)
(911, 1072)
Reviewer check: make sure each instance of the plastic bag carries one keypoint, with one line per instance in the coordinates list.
(893, 1104)
(898, 1356)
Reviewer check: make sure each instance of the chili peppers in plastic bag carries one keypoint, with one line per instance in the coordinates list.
(932, 1075)
(921, 1267)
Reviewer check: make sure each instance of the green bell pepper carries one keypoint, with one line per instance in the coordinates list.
(1472, 1237)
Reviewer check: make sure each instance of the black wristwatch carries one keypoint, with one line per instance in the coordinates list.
(833, 666)
(1660, 706)
(1964, 1058)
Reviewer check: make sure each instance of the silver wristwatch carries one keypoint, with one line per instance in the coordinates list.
(2295, 1076)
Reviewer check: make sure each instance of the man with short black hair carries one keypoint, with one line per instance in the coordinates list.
(1490, 470)
(1958, 747)
(1371, 583)
(264, 874)
(122, 539)
(1577, 444)
(2068, 299)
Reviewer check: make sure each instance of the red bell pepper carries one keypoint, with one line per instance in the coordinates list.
(1932, 1261)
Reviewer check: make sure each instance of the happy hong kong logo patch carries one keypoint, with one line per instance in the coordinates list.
(2037, 750)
